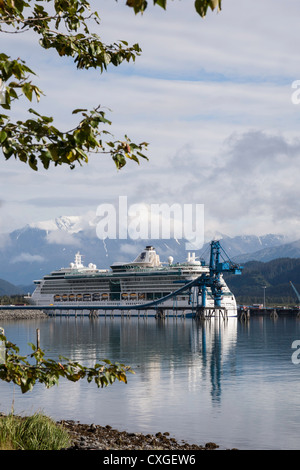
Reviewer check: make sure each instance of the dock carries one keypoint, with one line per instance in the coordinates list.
(196, 312)
(245, 314)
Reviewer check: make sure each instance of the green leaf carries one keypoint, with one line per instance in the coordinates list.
(119, 160)
(79, 110)
(3, 136)
(30, 110)
(161, 3)
(202, 6)
(53, 152)
(137, 5)
(215, 4)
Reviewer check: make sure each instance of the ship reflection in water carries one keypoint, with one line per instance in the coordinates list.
(195, 350)
(214, 380)
(214, 342)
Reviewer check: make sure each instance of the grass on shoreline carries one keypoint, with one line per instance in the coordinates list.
(36, 432)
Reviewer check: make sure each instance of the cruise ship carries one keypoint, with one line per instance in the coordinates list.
(145, 284)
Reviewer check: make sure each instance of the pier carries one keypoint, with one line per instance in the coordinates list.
(197, 312)
(245, 314)
(139, 311)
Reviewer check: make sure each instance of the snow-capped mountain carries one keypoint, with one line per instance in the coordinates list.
(36, 249)
(286, 250)
(70, 224)
(249, 244)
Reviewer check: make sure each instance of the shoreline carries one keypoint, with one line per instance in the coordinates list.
(105, 438)
(96, 437)
(22, 314)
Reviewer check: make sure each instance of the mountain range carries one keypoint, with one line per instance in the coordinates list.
(269, 281)
(37, 249)
(285, 250)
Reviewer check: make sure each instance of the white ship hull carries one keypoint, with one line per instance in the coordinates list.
(143, 287)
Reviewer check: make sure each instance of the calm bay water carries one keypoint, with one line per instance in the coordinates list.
(223, 381)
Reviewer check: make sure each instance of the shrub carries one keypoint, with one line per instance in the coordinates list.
(36, 432)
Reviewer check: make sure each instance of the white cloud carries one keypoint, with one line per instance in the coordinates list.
(28, 258)
(213, 97)
(61, 237)
(129, 249)
(4, 240)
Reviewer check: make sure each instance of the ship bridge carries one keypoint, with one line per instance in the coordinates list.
(148, 258)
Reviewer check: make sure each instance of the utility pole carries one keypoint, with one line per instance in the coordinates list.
(264, 288)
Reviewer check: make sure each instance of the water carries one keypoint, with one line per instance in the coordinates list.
(227, 382)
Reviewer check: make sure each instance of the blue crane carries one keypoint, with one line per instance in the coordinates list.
(213, 278)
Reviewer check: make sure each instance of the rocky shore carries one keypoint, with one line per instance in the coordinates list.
(21, 314)
(95, 437)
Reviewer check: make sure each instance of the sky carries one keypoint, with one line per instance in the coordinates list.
(214, 98)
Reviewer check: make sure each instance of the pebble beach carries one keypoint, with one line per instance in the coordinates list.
(95, 437)
(21, 314)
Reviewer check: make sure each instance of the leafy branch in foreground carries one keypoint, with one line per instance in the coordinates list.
(37, 139)
(201, 6)
(22, 371)
(63, 28)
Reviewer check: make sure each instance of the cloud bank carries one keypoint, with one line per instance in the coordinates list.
(213, 98)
